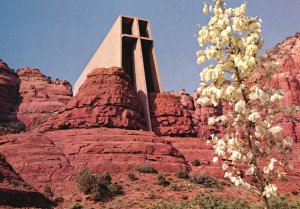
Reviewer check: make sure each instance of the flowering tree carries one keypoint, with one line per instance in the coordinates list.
(232, 41)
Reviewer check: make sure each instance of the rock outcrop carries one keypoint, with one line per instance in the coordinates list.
(40, 96)
(171, 114)
(15, 192)
(287, 78)
(9, 90)
(105, 99)
(55, 158)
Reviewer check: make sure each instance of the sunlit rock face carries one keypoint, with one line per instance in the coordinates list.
(172, 114)
(40, 96)
(287, 78)
(106, 99)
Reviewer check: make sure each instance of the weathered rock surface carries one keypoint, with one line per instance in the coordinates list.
(171, 114)
(40, 96)
(105, 99)
(15, 192)
(9, 88)
(55, 158)
(287, 54)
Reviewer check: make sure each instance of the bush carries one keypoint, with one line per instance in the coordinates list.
(210, 202)
(170, 205)
(182, 175)
(204, 179)
(86, 181)
(162, 180)
(100, 187)
(195, 162)
(76, 205)
(106, 178)
(115, 189)
(99, 192)
(132, 176)
(175, 187)
(283, 202)
(239, 203)
(146, 169)
(48, 192)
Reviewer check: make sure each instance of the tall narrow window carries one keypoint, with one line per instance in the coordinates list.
(127, 24)
(143, 27)
(149, 66)
(128, 47)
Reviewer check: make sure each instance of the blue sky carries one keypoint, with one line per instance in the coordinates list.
(60, 36)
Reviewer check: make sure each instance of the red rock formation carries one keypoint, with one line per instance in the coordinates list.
(105, 99)
(171, 114)
(9, 87)
(55, 158)
(14, 191)
(40, 96)
(287, 54)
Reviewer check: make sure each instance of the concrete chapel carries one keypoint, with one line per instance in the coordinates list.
(129, 44)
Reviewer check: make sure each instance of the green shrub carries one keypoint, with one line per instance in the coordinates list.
(99, 192)
(48, 192)
(210, 202)
(162, 180)
(174, 187)
(86, 181)
(195, 162)
(146, 169)
(132, 176)
(204, 179)
(283, 202)
(106, 178)
(100, 187)
(170, 205)
(239, 203)
(182, 175)
(115, 189)
(76, 205)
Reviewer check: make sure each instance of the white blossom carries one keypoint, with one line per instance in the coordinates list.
(270, 190)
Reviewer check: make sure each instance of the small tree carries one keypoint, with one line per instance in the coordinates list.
(232, 41)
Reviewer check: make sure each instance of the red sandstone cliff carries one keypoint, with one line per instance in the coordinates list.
(40, 96)
(171, 114)
(9, 87)
(105, 99)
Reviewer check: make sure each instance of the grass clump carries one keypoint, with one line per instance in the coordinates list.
(175, 187)
(182, 175)
(204, 179)
(132, 176)
(195, 162)
(48, 192)
(76, 205)
(162, 180)
(146, 169)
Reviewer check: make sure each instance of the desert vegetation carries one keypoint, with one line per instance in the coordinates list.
(100, 187)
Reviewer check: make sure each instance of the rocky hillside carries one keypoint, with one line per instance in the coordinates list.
(40, 96)
(14, 191)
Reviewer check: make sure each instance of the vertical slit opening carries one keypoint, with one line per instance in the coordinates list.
(149, 66)
(143, 27)
(127, 24)
(128, 47)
